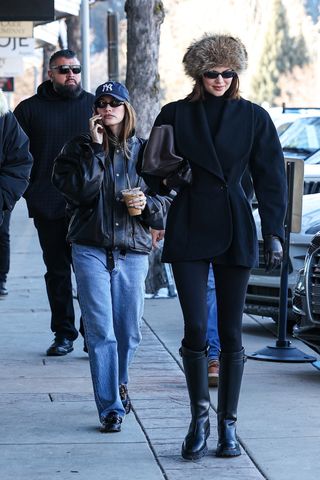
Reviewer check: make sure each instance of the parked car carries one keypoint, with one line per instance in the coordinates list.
(263, 291)
(302, 138)
(306, 300)
(284, 116)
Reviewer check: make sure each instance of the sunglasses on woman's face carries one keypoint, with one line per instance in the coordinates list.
(212, 74)
(64, 69)
(103, 103)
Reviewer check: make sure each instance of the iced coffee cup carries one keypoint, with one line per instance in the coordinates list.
(128, 195)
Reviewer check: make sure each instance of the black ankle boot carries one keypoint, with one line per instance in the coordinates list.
(196, 371)
(230, 377)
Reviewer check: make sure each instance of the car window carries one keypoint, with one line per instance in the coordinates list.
(283, 127)
(304, 133)
(314, 159)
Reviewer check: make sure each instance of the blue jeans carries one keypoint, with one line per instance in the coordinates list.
(212, 331)
(111, 296)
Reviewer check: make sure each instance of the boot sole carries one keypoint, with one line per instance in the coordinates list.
(228, 453)
(59, 354)
(102, 430)
(196, 455)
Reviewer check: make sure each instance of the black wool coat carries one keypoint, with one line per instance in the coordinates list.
(212, 218)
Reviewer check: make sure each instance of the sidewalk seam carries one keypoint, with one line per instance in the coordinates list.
(150, 444)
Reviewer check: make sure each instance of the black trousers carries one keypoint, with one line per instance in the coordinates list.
(5, 246)
(57, 258)
(231, 285)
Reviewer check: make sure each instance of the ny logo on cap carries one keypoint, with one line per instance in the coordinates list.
(107, 87)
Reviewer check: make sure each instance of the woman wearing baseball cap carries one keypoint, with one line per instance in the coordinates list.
(110, 242)
(218, 135)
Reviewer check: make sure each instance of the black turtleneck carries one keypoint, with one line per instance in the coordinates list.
(214, 109)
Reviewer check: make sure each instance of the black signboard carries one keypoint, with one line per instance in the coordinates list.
(26, 10)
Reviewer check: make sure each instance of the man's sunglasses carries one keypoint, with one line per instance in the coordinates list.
(226, 74)
(103, 104)
(64, 69)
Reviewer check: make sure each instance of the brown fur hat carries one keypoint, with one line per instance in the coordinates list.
(214, 50)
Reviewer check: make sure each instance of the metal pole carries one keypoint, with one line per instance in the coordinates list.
(283, 305)
(85, 32)
(282, 351)
(113, 42)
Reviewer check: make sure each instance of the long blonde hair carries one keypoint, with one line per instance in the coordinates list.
(127, 130)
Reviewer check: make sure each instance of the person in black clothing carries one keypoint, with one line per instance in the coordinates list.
(110, 242)
(59, 111)
(218, 135)
(15, 166)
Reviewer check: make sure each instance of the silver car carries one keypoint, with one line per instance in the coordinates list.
(306, 300)
(301, 140)
(264, 288)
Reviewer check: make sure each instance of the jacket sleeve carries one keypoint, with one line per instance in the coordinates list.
(78, 172)
(268, 173)
(16, 162)
(155, 213)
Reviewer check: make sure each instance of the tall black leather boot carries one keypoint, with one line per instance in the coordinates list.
(230, 377)
(196, 371)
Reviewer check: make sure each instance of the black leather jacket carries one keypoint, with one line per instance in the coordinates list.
(92, 184)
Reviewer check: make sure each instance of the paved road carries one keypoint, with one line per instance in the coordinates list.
(49, 424)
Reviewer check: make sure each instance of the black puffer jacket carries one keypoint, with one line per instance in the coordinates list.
(50, 121)
(92, 185)
(15, 159)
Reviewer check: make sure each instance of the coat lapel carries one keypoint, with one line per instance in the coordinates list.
(233, 139)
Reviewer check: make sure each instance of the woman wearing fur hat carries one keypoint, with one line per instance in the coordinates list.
(110, 242)
(219, 135)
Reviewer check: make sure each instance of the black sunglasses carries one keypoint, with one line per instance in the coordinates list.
(103, 103)
(225, 74)
(64, 69)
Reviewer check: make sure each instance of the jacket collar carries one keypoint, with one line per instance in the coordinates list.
(193, 136)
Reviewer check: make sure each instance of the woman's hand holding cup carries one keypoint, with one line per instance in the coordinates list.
(135, 200)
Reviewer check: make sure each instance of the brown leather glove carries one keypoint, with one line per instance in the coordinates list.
(273, 252)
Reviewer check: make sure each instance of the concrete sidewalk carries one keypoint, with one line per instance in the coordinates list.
(49, 427)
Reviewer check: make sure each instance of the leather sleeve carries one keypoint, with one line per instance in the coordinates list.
(78, 172)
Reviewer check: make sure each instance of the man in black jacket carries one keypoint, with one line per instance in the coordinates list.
(60, 110)
(15, 166)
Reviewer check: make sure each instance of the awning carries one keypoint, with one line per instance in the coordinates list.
(49, 32)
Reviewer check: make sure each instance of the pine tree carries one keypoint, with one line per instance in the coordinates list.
(280, 54)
